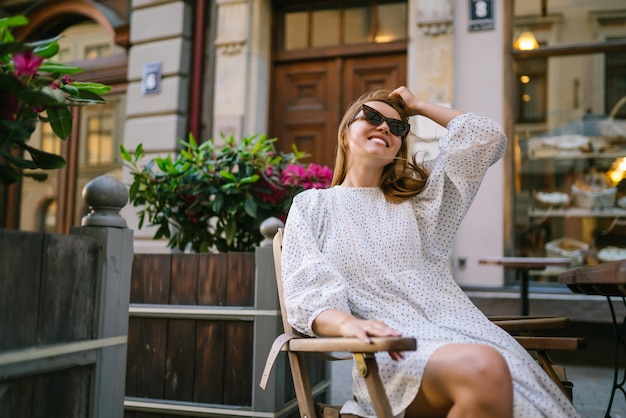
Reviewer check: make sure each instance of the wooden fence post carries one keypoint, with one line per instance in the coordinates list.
(105, 197)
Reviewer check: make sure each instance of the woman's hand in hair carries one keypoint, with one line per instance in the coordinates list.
(413, 104)
(439, 114)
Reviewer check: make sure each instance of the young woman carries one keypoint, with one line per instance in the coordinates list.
(368, 257)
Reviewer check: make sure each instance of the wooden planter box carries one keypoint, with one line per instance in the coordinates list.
(201, 326)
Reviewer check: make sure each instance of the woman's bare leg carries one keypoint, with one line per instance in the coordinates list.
(464, 380)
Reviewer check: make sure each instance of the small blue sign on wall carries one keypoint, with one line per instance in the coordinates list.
(151, 78)
(481, 15)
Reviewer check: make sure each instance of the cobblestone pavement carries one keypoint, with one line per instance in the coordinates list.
(591, 388)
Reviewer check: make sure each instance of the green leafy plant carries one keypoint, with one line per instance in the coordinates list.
(34, 88)
(209, 198)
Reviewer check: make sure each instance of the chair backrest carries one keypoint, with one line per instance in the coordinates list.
(278, 248)
(299, 372)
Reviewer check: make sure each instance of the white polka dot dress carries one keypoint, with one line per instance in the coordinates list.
(348, 248)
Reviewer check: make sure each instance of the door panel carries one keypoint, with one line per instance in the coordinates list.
(364, 74)
(304, 111)
(309, 98)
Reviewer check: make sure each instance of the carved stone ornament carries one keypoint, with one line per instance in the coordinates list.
(434, 17)
(232, 26)
(230, 47)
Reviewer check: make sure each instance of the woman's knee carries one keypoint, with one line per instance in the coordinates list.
(477, 367)
(485, 364)
(465, 376)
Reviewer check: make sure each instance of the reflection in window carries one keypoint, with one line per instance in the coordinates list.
(100, 139)
(97, 51)
(392, 22)
(49, 141)
(531, 86)
(615, 82)
(357, 24)
(325, 28)
(344, 24)
(296, 29)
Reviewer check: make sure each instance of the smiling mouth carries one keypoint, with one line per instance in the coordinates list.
(379, 140)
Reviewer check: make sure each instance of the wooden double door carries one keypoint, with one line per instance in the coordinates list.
(309, 98)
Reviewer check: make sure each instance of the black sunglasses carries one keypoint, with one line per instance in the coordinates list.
(374, 117)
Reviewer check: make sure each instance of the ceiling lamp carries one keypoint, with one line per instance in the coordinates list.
(526, 42)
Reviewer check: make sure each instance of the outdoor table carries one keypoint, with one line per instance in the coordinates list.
(521, 266)
(609, 280)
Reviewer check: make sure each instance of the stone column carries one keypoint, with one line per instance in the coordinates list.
(231, 68)
(160, 34)
(431, 63)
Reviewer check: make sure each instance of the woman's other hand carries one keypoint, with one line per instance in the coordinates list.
(341, 324)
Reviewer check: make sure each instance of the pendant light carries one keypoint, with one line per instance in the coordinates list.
(526, 42)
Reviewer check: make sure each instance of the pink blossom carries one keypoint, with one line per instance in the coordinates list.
(26, 63)
(306, 177)
(323, 174)
(320, 172)
(292, 175)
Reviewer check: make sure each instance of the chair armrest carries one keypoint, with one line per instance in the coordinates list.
(297, 343)
(551, 343)
(351, 345)
(511, 324)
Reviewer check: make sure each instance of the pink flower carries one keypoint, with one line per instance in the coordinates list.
(313, 176)
(322, 174)
(26, 63)
(292, 175)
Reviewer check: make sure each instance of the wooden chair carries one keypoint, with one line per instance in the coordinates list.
(297, 345)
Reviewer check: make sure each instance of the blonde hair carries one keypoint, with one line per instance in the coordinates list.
(401, 179)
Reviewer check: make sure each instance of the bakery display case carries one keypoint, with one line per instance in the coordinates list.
(568, 145)
(571, 199)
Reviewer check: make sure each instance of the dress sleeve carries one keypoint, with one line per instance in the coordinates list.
(473, 143)
(311, 284)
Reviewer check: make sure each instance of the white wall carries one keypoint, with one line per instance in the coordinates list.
(479, 88)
